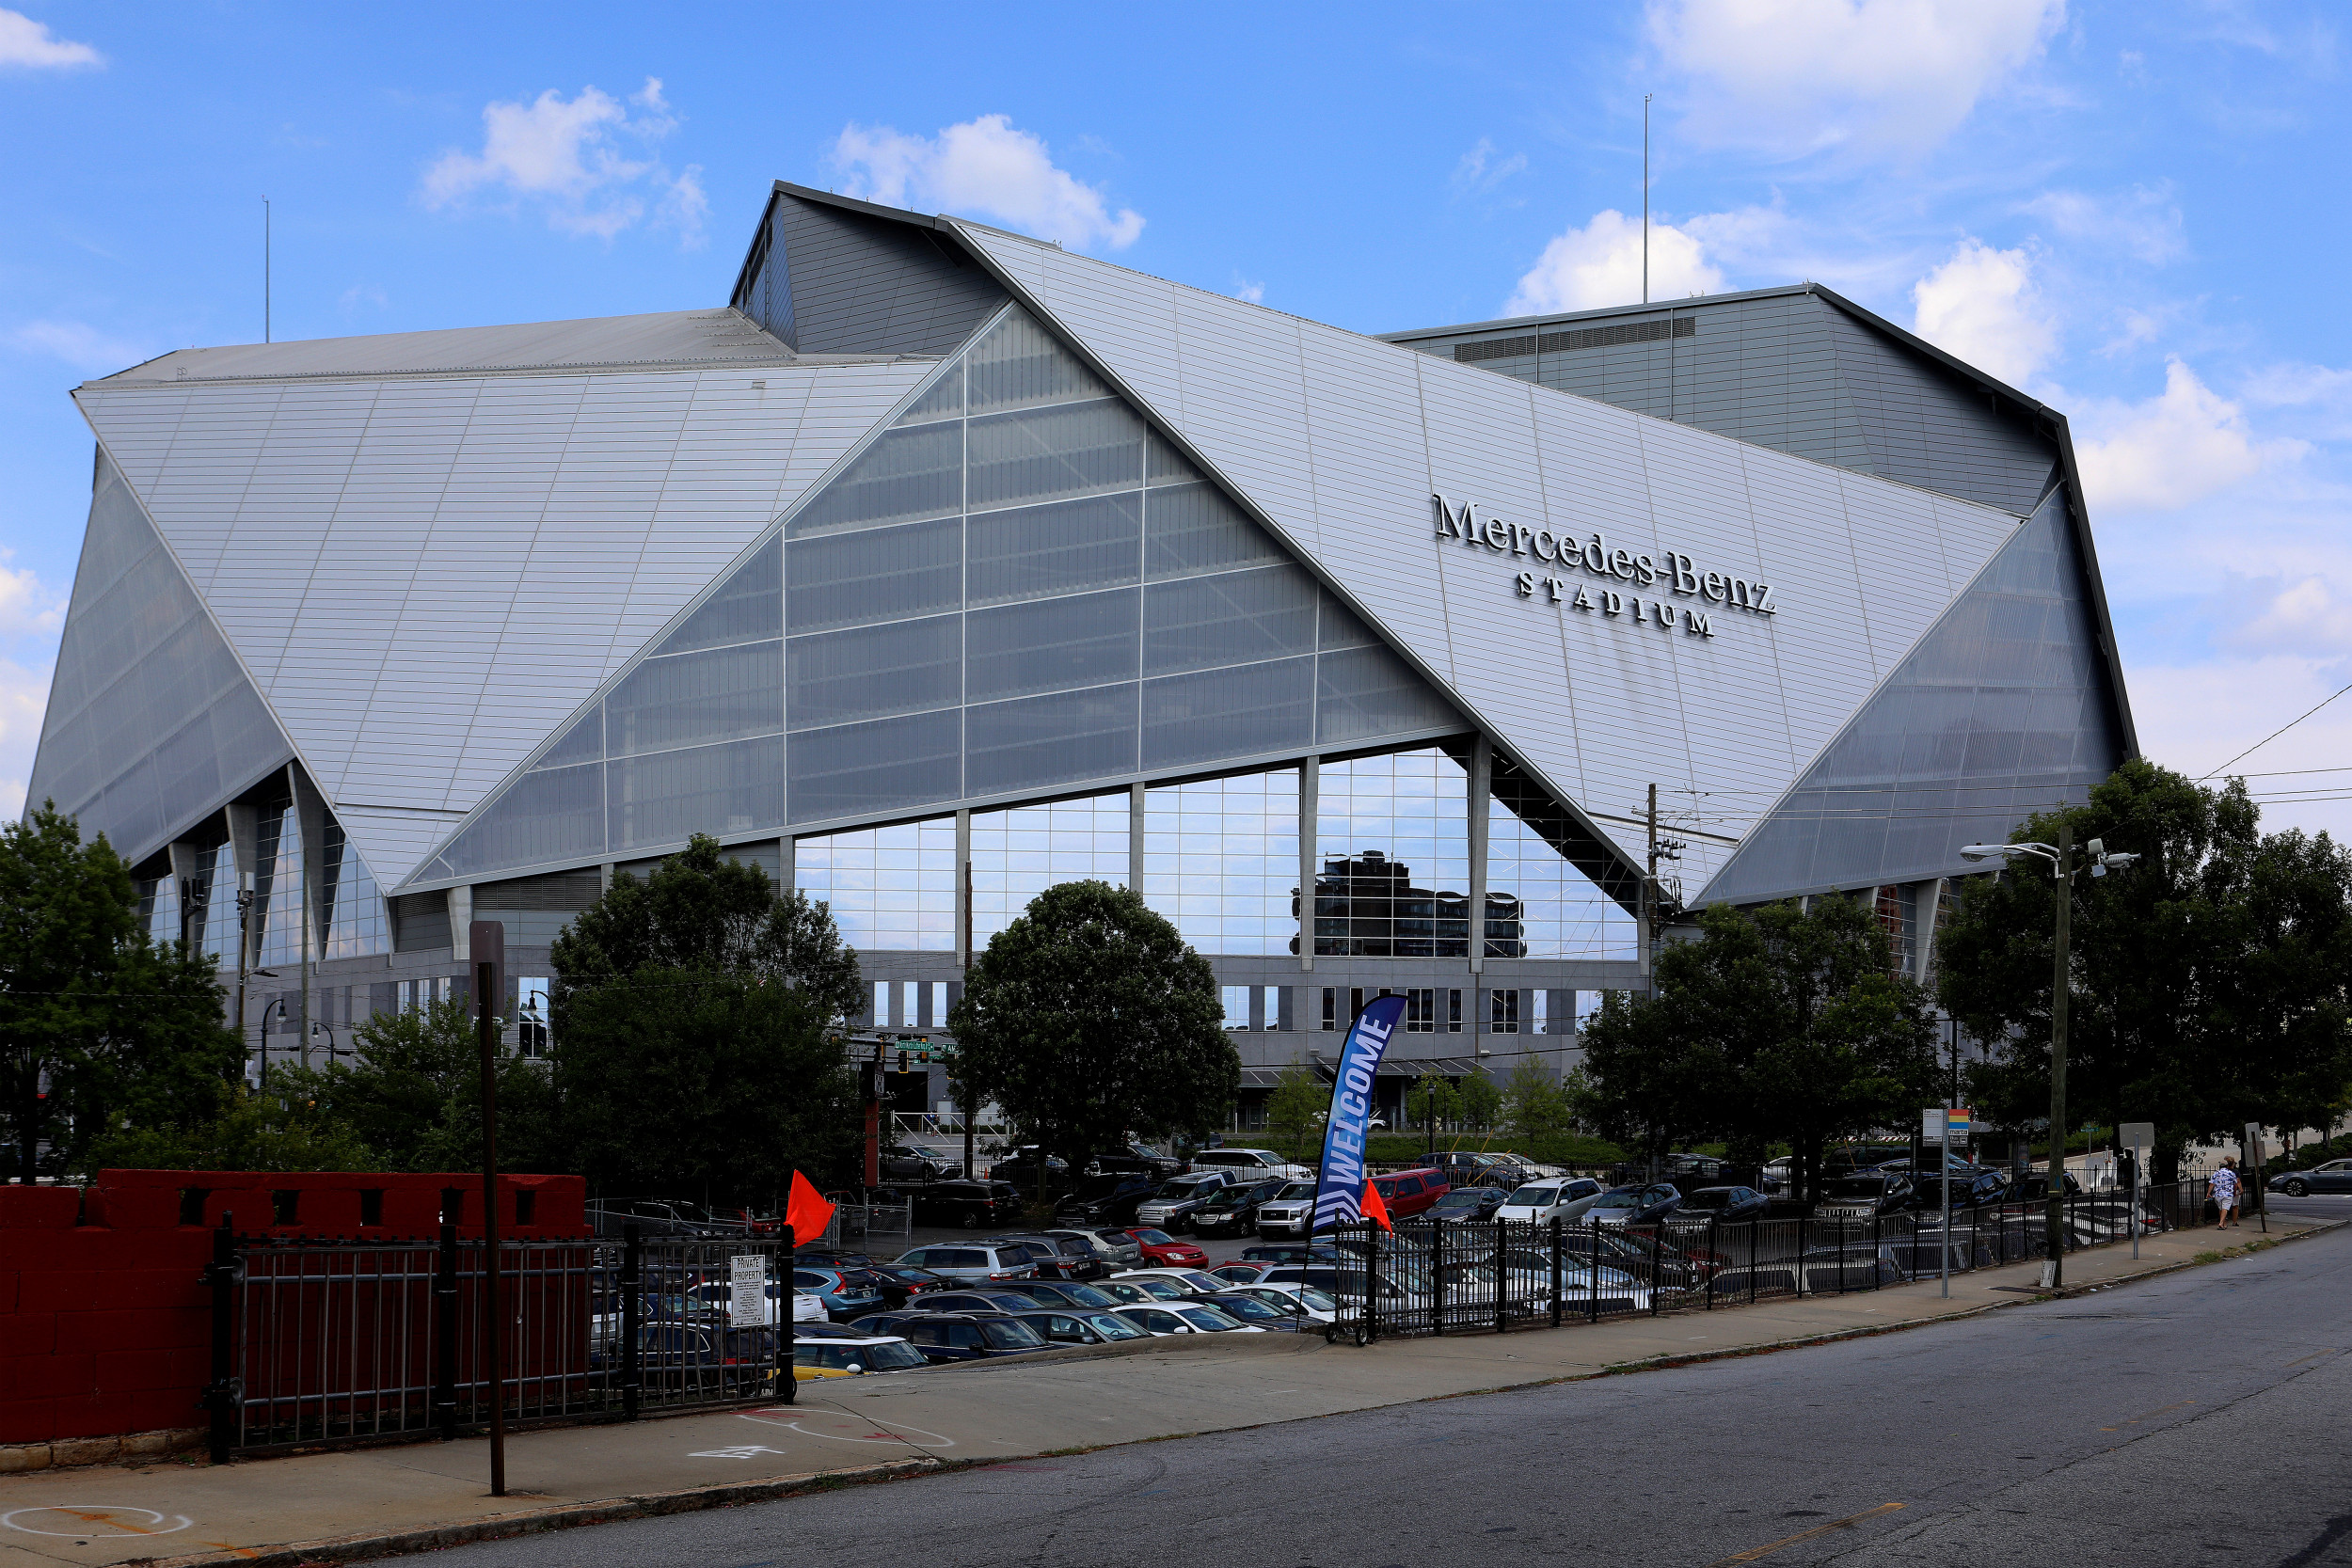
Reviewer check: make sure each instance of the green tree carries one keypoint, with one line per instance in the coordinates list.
(2205, 984)
(100, 1030)
(1534, 1108)
(1431, 1103)
(277, 1128)
(1089, 1017)
(413, 1094)
(693, 1049)
(1481, 1101)
(1773, 1024)
(1296, 1108)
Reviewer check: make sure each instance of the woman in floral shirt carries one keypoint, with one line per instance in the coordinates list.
(2225, 1188)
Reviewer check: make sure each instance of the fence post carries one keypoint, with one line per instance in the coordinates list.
(1503, 1276)
(1658, 1263)
(1712, 1221)
(1592, 1278)
(1801, 1218)
(225, 1398)
(1437, 1283)
(787, 1377)
(632, 1318)
(1754, 1224)
(1372, 1275)
(1557, 1282)
(445, 1332)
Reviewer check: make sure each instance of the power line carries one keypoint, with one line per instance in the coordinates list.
(2282, 729)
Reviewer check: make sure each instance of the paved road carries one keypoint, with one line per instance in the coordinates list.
(2194, 1419)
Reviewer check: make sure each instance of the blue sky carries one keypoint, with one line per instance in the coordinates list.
(2134, 211)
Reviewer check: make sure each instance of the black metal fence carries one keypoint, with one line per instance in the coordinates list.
(1426, 1278)
(325, 1344)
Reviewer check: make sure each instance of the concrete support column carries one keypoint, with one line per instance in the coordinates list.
(1929, 908)
(963, 889)
(1135, 838)
(1309, 782)
(788, 872)
(1481, 791)
(460, 916)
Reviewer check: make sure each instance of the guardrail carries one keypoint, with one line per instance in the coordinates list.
(1426, 1278)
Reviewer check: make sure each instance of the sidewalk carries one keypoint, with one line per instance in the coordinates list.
(329, 1507)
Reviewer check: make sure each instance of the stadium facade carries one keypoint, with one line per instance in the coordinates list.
(940, 564)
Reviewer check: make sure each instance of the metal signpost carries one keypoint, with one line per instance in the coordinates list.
(2137, 1136)
(485, 940)
(2250, 1173)
(1935, 1131)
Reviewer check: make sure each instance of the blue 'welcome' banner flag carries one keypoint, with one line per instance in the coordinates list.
(1343, 1176)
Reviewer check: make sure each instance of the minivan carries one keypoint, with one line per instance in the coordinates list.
(971, 1262)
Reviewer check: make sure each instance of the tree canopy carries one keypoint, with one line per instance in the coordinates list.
(1088, 1017)
(101, 1031)
(1774, 1024)
(2206, 982)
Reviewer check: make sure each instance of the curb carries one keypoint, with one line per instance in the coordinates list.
(357, 1548)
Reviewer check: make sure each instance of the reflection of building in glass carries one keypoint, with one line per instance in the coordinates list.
(1366, 907)
(937, 566)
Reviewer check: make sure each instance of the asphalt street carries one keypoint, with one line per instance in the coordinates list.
(2193, 1418)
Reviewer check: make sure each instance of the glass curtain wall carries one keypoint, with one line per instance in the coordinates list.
(1221, 860)
(1018, 854)
(1561, 915)
(890, 889)
(1392, 845)
(278, 882)
(355, 927)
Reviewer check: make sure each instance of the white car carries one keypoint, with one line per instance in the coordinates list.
(1178, 1317)
(806, 1308)
(1252, 1164)
(1319, 1306)
(1541, 1202)
(1189, 1279)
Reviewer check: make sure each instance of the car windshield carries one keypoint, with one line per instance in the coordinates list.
(1010, 1333)
(1151, 1237)
(1226, 1199)
(1110, 1326)
(1207, 1318)
(1189, 1186)
(1463, 1197)
(1085, 1295)
(1534, 1198)
(1124, 1296)
(1250, 1309)
(1619, 1200)
(1160, 1290)
(1709, 1197)
(891, 1355)
(1295, 1192)
(1860, 1186)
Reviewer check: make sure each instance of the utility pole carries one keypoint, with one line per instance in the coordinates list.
(2054, 1222)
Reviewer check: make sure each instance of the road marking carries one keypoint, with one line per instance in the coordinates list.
(98, 1514)
(2149, 1417)
(847, 1428)
(2314, 1356)
(1847, 1523)
(741, 1450)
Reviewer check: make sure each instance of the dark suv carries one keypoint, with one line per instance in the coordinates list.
(1233, 1212)
(1057, 1257)
(1135, 1159)
(1106, 1199)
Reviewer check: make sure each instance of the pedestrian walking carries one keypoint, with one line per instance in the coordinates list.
(2225, 1189)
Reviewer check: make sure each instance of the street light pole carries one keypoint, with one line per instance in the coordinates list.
(2053, 1211)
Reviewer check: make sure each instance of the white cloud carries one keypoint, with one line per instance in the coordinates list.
(2171, 450)
(2144, 221)
(23, 696)
(81, 345)
(1600, 265)
(1875, 78)
(1245, 289)
(2297, 386)
(2307, 617)
(567, 157)
(1981, 306)
(1481, 171)
(982, 168)
(29, 606)
(2196, 717)
(29, 44)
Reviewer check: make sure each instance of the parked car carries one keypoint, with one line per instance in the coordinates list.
(969, 1204)
(1190, 1279)
(945, 1338)
(863, 1356)
(971, 1262)
(1021, 1169)
(970, 1301)
(1126, 1295)
(652, 1216)
(1468, 1205)
(1059, 1255)
(1121, 1249)
(2035, 1188)
(1541, 1202)
(1298, 1300)
(1635, 1205)
(1152, 1287)
(908, 1162)
(1106, 1199)
(1251, 1165)
(1249, 1311)
(1465, 1168)
(1090, 1243)
(898, 1281)
(1233, 1211)
(1135, 1159)
(1161, 1250)
(1408, 1192)
(1184, 1317)
(1238, 1274)
(710, 1303)
(2333, 1176)
(1866, 1195)
(843, 1294)
(1081, 1327)
(1057, 1293)
(1287, 1252)
(1724, 1205)
(1172, 1207)
(1290, 1211)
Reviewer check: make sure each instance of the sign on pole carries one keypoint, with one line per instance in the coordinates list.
(1958, 1122)
(1340, 1184)
(747, 1290)
(1931, 1124)
(2137, 1134)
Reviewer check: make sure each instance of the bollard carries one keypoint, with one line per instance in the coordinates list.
(445, 1331)
(225, 1398)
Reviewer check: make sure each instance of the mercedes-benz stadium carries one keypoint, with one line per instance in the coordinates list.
(939, 564)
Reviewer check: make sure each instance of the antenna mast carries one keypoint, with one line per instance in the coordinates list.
(265, 264)
(1645, 199)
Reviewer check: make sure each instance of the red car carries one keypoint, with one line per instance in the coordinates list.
(1410, 1192)
(1164, 1251)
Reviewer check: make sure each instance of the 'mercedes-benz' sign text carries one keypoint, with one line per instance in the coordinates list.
(1595, 558)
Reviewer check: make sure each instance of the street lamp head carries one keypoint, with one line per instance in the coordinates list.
(2119, 859)
(1982, 851)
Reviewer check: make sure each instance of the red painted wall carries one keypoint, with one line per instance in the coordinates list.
(105, 1322)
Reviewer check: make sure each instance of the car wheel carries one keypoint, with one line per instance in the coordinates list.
(971, 1222)
(2298, 1189)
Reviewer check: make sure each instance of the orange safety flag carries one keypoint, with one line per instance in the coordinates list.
(807, 1211)
(1371, 1207)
